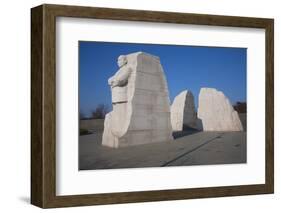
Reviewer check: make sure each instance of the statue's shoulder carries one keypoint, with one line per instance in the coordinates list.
(126, 68)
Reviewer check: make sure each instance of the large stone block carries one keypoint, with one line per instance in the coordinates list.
(183, 112)
(141, 105)
(216, 113)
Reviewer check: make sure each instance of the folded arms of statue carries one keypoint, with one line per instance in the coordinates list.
(121, 77)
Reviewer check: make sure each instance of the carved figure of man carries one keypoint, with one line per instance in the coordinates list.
(119, 81)
(118, 84)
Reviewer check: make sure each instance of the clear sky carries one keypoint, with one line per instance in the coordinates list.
(185, 67)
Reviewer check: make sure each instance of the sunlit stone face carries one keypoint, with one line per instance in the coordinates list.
(216, 112)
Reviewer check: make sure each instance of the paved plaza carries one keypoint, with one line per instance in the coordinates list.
(188, 148)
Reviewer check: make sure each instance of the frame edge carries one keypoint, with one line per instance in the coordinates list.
(269, 34)
(37, 189)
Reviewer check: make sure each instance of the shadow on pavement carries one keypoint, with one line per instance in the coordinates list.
(185, 132)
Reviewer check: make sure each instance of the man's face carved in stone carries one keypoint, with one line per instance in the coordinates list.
(121, 61)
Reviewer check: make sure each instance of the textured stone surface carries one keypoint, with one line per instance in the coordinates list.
(183, 111)
(216, 113)
(141, 105)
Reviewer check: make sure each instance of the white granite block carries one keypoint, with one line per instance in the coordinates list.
(216, 113)
(141, 105)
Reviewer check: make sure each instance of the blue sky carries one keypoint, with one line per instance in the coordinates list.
(185, 67)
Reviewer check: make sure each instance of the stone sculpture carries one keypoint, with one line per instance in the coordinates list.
(216, 113)
(141, 105)
(183, 112)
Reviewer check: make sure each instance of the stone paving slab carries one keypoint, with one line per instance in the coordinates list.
(189, 148)
(229, 147)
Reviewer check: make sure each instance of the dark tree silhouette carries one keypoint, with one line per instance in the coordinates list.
(240, 107)
(100, 112)
(82, 116)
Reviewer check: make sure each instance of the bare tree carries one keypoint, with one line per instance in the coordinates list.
(81, 116)
(240, 107)
(100, 112)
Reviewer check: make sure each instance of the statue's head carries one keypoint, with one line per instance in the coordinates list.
(122, 60)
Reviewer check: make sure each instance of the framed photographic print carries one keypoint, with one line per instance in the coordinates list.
(136, 106)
